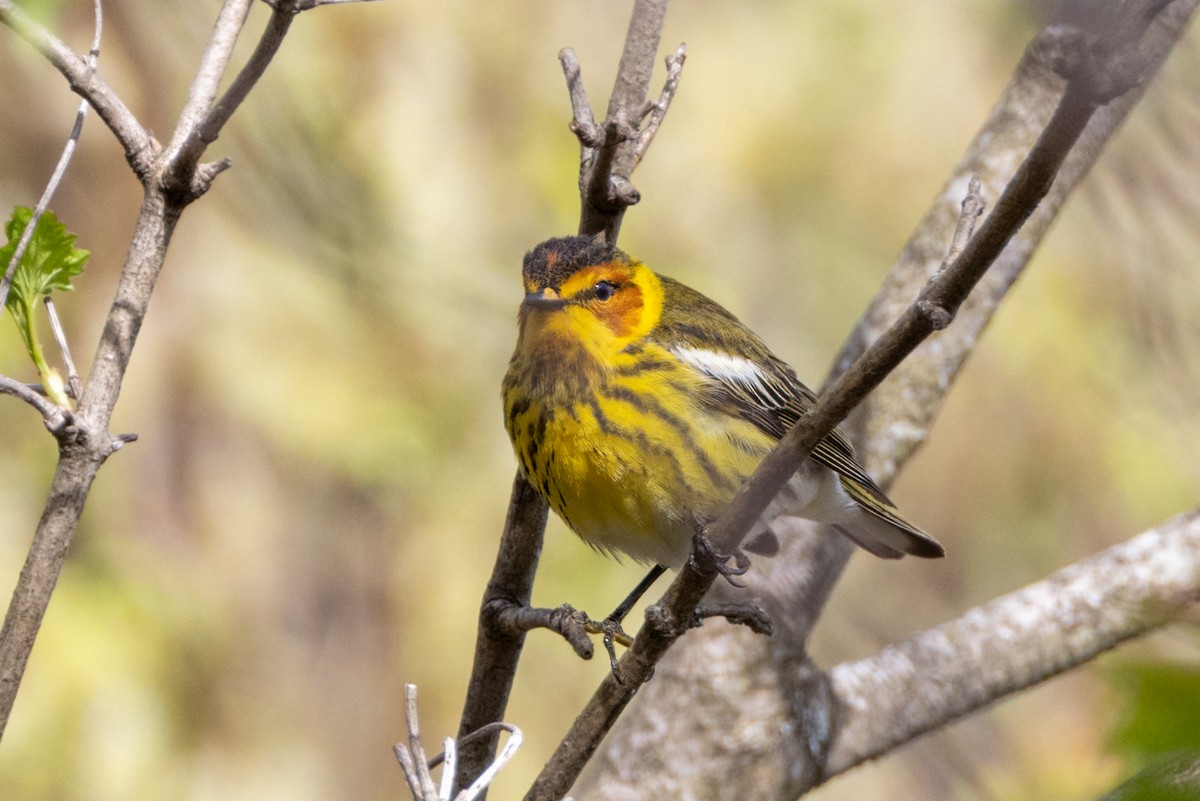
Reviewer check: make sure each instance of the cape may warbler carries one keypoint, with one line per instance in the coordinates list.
(637, 407)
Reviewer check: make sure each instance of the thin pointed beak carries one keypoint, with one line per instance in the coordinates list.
(546, 299)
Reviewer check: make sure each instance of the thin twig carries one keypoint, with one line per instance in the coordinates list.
(63, 160)
(428, 790)
(54, 415)
(185, 149)
(478, 786)
(972, 208)
(475, 736)
(657, 111)
(60, 337)
(417, 771)
(583, 122)
(605, 186)
(450, 755)
(408, 766)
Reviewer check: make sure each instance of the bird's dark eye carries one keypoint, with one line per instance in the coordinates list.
(604, 290)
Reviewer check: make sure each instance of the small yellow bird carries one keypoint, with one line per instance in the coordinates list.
(637, 407)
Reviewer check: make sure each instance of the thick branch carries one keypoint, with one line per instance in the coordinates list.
(1014, 642)
(496, 654)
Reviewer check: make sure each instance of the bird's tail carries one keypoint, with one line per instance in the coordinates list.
(874, 524)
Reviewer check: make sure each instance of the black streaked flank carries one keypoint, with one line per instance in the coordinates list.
(652, 408)
(601, 417)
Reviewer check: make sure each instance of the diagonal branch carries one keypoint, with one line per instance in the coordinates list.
(83, 80)
(1014, 642)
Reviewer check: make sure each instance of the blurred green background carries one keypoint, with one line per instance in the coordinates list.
(311, 512)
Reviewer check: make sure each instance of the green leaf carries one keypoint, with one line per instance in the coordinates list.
(49, 262)
(1171, 777)
(1160, 709)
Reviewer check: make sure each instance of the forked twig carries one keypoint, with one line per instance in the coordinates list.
(417, 771)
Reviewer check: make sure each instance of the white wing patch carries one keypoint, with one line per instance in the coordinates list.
(736, 371)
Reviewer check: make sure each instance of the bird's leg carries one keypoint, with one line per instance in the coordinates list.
(707, 559)
(610, 627)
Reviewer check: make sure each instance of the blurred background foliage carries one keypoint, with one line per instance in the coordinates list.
(310, 514)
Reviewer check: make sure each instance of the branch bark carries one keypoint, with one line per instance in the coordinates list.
(1014, 642)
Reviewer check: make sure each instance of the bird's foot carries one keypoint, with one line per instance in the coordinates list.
(610, 627)
(708, 560)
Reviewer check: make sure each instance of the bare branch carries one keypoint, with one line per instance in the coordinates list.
(583, 124)
(85, 443)
(82, 79)
(972, 208)
(605, 187)
(202, 124)
(657, 111)
(55, 416)
(185, 148)
(417, 771)
(424, 780)
(1014, 642)
(509, 618)
(60, 336)
(496, 655)
(478, 786)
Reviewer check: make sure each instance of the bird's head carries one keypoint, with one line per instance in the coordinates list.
(577, 289)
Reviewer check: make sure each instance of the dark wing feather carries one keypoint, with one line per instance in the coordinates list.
(748, 380)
